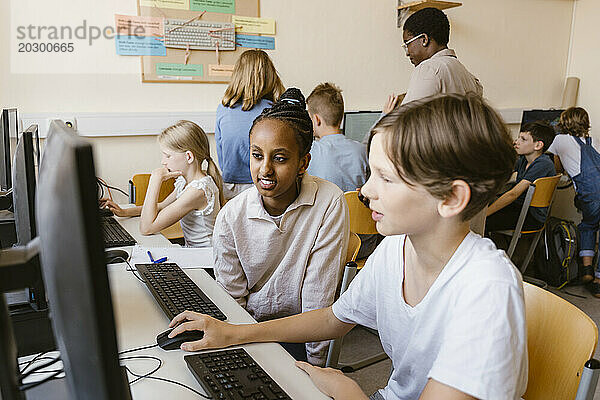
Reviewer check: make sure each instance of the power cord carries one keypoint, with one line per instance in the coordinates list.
(130, 268)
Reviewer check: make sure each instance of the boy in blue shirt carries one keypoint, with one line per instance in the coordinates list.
(534, 139)
(334, 157)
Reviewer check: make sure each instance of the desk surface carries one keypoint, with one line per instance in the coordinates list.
(139, 319)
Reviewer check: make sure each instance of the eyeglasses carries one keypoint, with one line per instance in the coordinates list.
(405, 44)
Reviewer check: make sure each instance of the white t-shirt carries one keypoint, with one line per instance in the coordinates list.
(468, 332)
(198, 225)
(569, 152)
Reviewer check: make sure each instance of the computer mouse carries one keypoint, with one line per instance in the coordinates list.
(116, 256)
(174, 343)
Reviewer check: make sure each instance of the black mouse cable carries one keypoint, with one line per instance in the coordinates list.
(130, 268)
(138, 348)
(142, 357)
(157, 378)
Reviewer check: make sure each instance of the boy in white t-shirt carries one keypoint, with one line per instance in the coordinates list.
(447, 304)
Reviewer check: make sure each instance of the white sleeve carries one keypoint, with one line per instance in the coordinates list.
(323, 271)
(424, 82)
(228, 269)
(358, 304)
(556, 146)
(484, 348)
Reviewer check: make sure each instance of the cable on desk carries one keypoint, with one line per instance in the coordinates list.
(130, 268)
(171, 381)
(138, 348)
(140, 377)
(28, 386)
(38, 367)
(34, 359)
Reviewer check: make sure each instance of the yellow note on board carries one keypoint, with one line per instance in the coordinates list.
(220, 70)
(253, 25)
(176, 4)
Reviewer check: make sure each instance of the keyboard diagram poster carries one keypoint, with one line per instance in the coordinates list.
(180, 65)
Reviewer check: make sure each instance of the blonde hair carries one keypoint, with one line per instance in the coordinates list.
(187, 136)
(327, 101)
(439, 139)
(575, 122)
(254, 78)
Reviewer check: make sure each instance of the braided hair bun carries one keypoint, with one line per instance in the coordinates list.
(291, 110)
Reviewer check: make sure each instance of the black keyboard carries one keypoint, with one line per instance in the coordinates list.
(114, 234)
(175, 292)
(233, 374)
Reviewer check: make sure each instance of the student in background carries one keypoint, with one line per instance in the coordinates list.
(254, 86)
(573, 150)
(447, 304)
(197, 197)
(280, 246)
(437, 70)
(533, 141)
(333, 156)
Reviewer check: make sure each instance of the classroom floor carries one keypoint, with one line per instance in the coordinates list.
(360, 343)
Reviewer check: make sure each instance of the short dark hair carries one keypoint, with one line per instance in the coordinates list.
(327, 101)
(430, 21)
(439, 139)
(540, 131)
(291, 110)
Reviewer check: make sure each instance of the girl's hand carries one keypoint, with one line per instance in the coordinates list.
(391, 103)
(217, 334)
(113, 207)
(163, 174)
(332, 382)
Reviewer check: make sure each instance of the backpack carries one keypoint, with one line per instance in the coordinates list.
(556, 253)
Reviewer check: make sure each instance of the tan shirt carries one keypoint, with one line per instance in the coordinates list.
(441, 73)
(276, 271)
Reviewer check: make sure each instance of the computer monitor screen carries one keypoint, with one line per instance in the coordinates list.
(550, 116)
(24, 187)
(74, 268)
(357, 124)
(9, 128)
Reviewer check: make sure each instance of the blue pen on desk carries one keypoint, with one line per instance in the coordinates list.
(150, 255)
(160, 260)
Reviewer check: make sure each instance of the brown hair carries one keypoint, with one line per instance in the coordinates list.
(442, 138)
(575, 122)
(254, 78)
(327, 101)
(187, 136)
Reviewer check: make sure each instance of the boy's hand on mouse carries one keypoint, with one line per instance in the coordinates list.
(113, 207)
(332, 382)
(217, 334)
(163, 174)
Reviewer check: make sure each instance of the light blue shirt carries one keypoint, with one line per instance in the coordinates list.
(232, 137)
(339, 160)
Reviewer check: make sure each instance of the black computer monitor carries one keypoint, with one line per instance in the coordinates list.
(74, 268)
(357, 124)
(551, 116)
(24, 180)
(9, 128)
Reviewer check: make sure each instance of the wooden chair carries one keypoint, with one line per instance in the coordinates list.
(353, 247)
(560, 340)
(138, 186)
(539, 194)
(360, 219)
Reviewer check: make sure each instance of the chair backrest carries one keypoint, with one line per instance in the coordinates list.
(360, 215)
(560, 339)
(140, 182)
(353, 247)
(544, 191)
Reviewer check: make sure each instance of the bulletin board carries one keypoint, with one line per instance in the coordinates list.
(247, 8)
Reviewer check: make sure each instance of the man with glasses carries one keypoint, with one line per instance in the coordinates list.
(425, 41)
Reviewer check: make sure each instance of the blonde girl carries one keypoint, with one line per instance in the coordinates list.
(198, 194)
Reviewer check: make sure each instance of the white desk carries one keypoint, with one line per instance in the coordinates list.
(139, 319)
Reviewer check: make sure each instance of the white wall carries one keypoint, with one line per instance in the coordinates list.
(517, 48)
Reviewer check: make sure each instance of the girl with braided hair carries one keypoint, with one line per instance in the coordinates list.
(279, 247)
(198, 193)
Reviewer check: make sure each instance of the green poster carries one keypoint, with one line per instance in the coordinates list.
(171, 69)
(219, 6)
